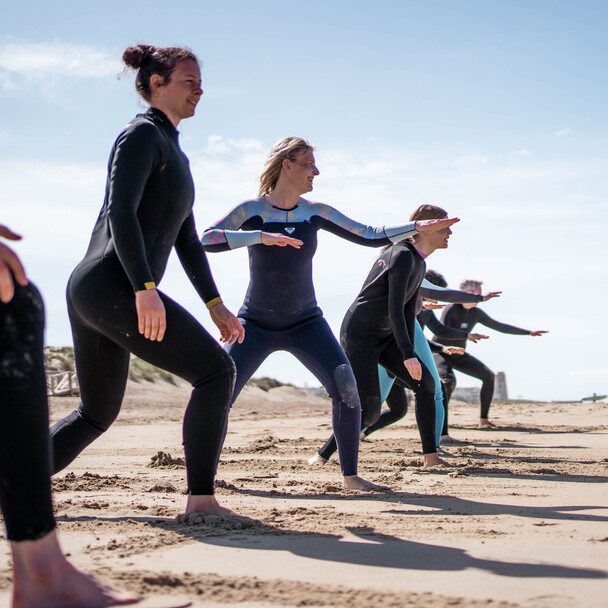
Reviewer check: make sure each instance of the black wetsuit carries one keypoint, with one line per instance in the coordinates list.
(25, 487)
(458, 317)
(147, 211)
(427, 318)
(396, 399)
(280, 310)
(379, 329)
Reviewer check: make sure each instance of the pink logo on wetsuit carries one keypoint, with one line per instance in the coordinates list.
(382, 263)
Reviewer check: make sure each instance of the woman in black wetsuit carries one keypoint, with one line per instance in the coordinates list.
(114, 303)
(42, 576)
(465, 317)
(280, 310)
(379, 329)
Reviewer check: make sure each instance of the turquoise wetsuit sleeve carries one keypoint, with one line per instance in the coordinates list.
(330, 219)
(227, 233)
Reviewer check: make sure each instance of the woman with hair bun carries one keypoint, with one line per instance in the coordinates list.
(114, 302)
(280, 310)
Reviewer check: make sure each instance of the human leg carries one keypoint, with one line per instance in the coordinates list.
(42, 577)
(316, 347)
(104, 321)
(424, 390)
(448, 383)
(423, 352)
(395, 398)
(467, 364)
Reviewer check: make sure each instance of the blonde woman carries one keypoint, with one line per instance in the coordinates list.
(280, 310)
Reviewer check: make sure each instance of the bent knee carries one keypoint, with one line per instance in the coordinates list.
(370, 411)
(220, 370)
(345, 386)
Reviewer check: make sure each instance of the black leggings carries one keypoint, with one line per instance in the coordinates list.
(102, 312)
(367, 347)
(25, 487)
(467, 364)
(313, 343)
(397, 409)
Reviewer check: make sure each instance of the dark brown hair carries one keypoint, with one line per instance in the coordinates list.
(149, 60)
(423, 212)
(436, 278)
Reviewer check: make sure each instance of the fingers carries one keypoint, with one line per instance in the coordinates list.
(7, 233)
(431, 225)
(151, 317)
(414, 368)
(491, 294)
(9, 258)
(7, 287)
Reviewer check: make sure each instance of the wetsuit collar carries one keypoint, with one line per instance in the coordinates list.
(281, 208)
(160, 118)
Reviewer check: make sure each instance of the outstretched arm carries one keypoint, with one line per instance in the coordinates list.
(485, 319)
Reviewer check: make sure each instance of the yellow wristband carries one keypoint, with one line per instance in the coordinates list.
(150, 285)
(214, 302)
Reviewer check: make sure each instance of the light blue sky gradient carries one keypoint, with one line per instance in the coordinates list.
(495, 110)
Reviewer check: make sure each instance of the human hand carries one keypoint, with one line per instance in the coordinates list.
(538, 332)
(490, 295)
(432, 225)
(453, 350)
(476, 337)
(151, 320)
(274, 238)
(414, 368)
(9, 265)
(230, 327)
(429, 304)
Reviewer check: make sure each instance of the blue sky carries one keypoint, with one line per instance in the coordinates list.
(494, 110)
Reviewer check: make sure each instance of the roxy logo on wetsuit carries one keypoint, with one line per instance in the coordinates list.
(289, 229)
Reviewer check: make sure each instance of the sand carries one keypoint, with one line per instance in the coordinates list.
(519, 520)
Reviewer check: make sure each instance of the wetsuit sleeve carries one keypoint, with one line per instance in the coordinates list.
(227, 233)
(194, 261)
(443, 331)
(483, 318)
(435, 348)
(330, 219)
(402, 317)
(136, 152)
(443, 294)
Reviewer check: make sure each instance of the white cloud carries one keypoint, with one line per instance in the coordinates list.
(52, 60)
(523, 152)
(563, 132)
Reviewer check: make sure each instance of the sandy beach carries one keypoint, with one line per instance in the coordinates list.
(519, 520)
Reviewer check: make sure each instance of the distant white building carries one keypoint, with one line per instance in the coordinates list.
(470, 394)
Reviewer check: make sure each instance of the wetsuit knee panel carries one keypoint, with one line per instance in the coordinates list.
(346, 386)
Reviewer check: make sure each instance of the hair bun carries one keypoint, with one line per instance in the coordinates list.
(135, 56)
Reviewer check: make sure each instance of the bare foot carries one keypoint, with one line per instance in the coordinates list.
(362, 437)
(317, 460)
(354, 482)
(484, 423)
(433, 460)
(449, 439)
(43, 578)
(206, 504)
